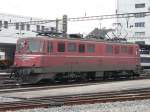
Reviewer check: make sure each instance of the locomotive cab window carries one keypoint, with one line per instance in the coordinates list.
(81, 48)
(90, 48)
(61, 47)
(50, 47)
(35, 46)
(71, 47)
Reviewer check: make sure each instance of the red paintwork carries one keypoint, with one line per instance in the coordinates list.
(68, 61)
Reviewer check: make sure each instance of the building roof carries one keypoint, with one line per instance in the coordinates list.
(99, 33)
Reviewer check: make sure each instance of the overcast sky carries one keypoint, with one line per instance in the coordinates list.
(51, 9)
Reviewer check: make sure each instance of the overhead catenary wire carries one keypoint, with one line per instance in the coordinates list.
(113, 16)
(85, 18)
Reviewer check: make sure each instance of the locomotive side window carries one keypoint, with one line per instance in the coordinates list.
(117, 49)
(61, 47)
(109, 49)
(124, 49)
(50, 47)
(81, 48)
(90, 48)
(130, 50)
(71, 47)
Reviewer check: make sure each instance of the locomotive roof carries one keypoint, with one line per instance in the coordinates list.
(76, 39)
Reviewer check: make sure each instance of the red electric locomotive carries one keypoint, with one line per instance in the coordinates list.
(76, 59)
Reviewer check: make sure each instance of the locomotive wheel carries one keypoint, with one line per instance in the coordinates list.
(83, 77)
(130, 75)
(105, 77)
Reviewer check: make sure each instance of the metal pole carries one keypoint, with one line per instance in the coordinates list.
(57, 22)
(117, 15)
(65, 20)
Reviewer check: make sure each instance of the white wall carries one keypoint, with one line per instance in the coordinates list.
(128, 6)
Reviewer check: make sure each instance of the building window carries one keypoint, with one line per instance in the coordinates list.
(28, 27)
(43, 28)
(22, 26)
(81, 48)
(139, 15)
(142, 5)
(17, 26)
(109, 49)
(61, 47)
(72, 47)
(50, 47)
(37, 27)
(139, 34)
(5, 24)
(140, 24)
(0, 24)
(90, 48)
(52, 29)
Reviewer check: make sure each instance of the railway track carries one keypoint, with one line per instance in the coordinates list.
(23, 88)
(7, 83)
(104, 97)
(36, 88)
(12, 87)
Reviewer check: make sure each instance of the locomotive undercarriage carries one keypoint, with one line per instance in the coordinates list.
(34, 75)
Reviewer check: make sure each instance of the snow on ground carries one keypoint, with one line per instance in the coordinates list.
(128, 106)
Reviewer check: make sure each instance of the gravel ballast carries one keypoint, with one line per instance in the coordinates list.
(128, 106)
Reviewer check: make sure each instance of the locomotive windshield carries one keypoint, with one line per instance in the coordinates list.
(29, 46)
(35, 46)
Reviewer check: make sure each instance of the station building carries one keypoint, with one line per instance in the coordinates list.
(12, 29)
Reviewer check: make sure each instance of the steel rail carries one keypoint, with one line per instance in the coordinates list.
(45, 102)
(5, 88)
